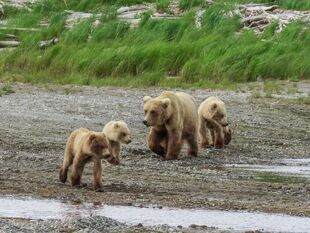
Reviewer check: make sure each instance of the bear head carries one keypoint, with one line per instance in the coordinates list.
(118, 131)
(219, 114)
(156, 111)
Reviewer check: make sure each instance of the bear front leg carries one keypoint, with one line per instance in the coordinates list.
(212, 132)
(115, 149)
(227, 135)
(204, 140)
(216, 131)
(77, 171)
(156, 139)
(174, 144)
(97, 173)
(218, 137)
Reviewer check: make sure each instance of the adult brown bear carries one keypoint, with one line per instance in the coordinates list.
(173, 119)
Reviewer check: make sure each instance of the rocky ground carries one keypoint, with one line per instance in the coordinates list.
(36, 121)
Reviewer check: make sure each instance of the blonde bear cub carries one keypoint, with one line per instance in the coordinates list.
(213, 120)
(117, 133)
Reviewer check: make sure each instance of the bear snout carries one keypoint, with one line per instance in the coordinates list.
(225, 124)
(129, 141)
(145, 123)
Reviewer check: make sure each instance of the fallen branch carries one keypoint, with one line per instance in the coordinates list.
(21, 29)
(8, 36)
(6, 44)
(46, 43)
(259, 16)
(1, 9)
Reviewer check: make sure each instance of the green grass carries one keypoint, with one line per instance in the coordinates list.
(162, 5)
(275, 178)
(269, 177)
(304, 100)
(187, 4)
(115, 54)
(6, 90)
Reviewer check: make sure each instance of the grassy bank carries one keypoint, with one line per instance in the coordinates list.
(115, 54)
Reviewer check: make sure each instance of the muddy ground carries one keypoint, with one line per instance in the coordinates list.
(36, 121)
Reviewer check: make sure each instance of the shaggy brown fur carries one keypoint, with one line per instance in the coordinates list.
(213, 120)
(173, 119)
(84, 146)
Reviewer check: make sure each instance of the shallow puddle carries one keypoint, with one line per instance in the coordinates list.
(298, 167)
(53, 209)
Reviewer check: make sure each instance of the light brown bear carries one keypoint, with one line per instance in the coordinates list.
(84, 146)
(173, 118)
(213, 120)
(117, 133)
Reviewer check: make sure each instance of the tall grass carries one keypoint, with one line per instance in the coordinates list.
(113, 53)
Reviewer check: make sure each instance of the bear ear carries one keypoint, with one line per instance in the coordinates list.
(92, 137)
(165, 102)
(146, 98)
(214, 106)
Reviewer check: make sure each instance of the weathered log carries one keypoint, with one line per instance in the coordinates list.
(76, 17)
(8, 36)
(6, 44)
(132, 8)
(259, 16)
(198, 18)
(1, 9)
(252, 18)
(127, 16)
(21, 29)
(46, 43)
(166, 17)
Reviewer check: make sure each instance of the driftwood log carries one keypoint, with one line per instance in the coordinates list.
(12, 42)
(259, 16)
(46, 43)
(8, 44)
(1, 9)
(21, 29)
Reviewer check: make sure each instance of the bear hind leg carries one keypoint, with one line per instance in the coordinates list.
(192, 144)
(68, 160)
(204, 134)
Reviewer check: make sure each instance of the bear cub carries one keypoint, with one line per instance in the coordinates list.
(213, 120)
(84, 146)
(117, 133)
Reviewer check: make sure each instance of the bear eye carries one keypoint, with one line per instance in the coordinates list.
(123, 134)
(221, 116)
(153, 112)
(145, 111)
